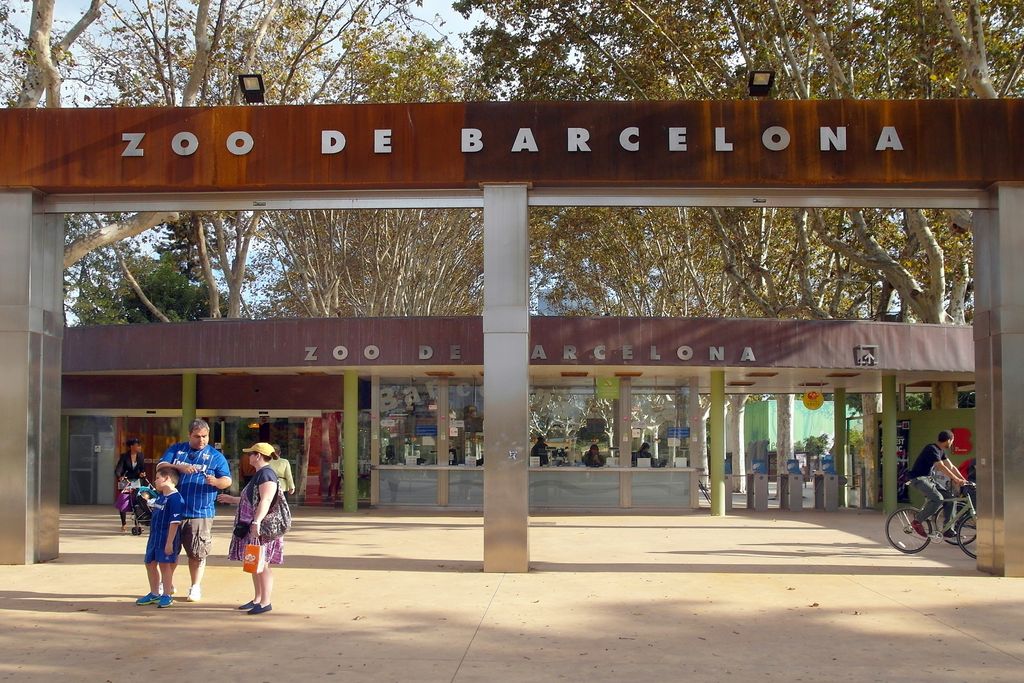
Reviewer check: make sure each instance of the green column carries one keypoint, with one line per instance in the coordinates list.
(839, 454)
(350, 457)
(188, 402)
(889, 399)
(716, 457)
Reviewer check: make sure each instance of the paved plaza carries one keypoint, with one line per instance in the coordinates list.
(385, 596)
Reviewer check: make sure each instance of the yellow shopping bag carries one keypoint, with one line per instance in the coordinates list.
(254, 560)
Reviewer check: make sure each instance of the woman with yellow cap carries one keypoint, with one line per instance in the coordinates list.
(254, 504)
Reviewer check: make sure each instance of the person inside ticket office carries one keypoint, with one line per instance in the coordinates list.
(594, 457)
(540, 451)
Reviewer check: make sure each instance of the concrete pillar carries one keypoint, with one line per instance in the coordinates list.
(188, 404)
(31, 331)
(350, 456)
(506, 379)
(889, 465)
(716, 458)
(839, 454)
(999, 371)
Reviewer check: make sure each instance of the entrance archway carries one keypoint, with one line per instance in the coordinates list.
(521, 154)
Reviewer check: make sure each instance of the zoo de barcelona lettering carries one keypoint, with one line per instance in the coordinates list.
(569, 352)
(577, 140)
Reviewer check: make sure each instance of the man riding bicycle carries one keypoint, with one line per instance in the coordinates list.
(933, 455)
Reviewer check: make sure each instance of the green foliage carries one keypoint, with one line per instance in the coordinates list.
(98, 293)
(667, 49)
(855, 439)
(168, 285)
(919, 401)
(385, 66)
(92, 291)
(814, 445)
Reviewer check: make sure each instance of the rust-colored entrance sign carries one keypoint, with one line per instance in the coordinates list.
(834, 143)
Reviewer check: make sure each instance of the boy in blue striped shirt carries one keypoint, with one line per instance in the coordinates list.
(164, 540)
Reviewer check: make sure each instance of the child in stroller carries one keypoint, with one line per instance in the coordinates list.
(142, 514)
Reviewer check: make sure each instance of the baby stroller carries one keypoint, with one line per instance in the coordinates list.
(142, 514)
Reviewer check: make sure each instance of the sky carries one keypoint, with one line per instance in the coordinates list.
(453, 21)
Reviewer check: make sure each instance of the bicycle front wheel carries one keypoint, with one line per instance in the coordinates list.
(900, 533)
(967, 535)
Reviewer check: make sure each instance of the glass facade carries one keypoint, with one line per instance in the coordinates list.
(659, 419)
(408, 422)
(408, 486)
(231, 434)
(662, 489)
(466, 488)
(431, 446)
(583, 488)
(571, 419)
(96, 442)
(466, 422)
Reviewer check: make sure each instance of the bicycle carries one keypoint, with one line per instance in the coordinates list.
(963, 521)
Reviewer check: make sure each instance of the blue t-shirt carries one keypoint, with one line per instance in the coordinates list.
(198, 495)
(262, 475)
(166, 510)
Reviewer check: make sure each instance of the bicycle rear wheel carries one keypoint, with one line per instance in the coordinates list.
(967, 534)
(900, 533)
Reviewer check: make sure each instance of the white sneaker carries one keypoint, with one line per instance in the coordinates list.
(195, 594)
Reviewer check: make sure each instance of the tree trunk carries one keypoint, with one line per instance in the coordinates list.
(868, 457)
(302, 466)
(784, 437)
(735, 441)
(41, 76)
(134, 284)
(212, 293)
(109, 234)
(697, 415)
(41, 73)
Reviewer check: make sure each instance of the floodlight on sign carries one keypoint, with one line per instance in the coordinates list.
(252, 88)
(759, 83)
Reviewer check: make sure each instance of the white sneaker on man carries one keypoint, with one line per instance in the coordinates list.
(195, 594)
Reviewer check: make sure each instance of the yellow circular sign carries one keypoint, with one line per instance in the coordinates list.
(813, 400)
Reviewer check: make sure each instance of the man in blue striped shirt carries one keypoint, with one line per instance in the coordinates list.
(204, 472)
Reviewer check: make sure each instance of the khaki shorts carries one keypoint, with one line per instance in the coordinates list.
(197, 537)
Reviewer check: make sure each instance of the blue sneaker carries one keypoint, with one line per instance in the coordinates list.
(148, 599)
(165, 601)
